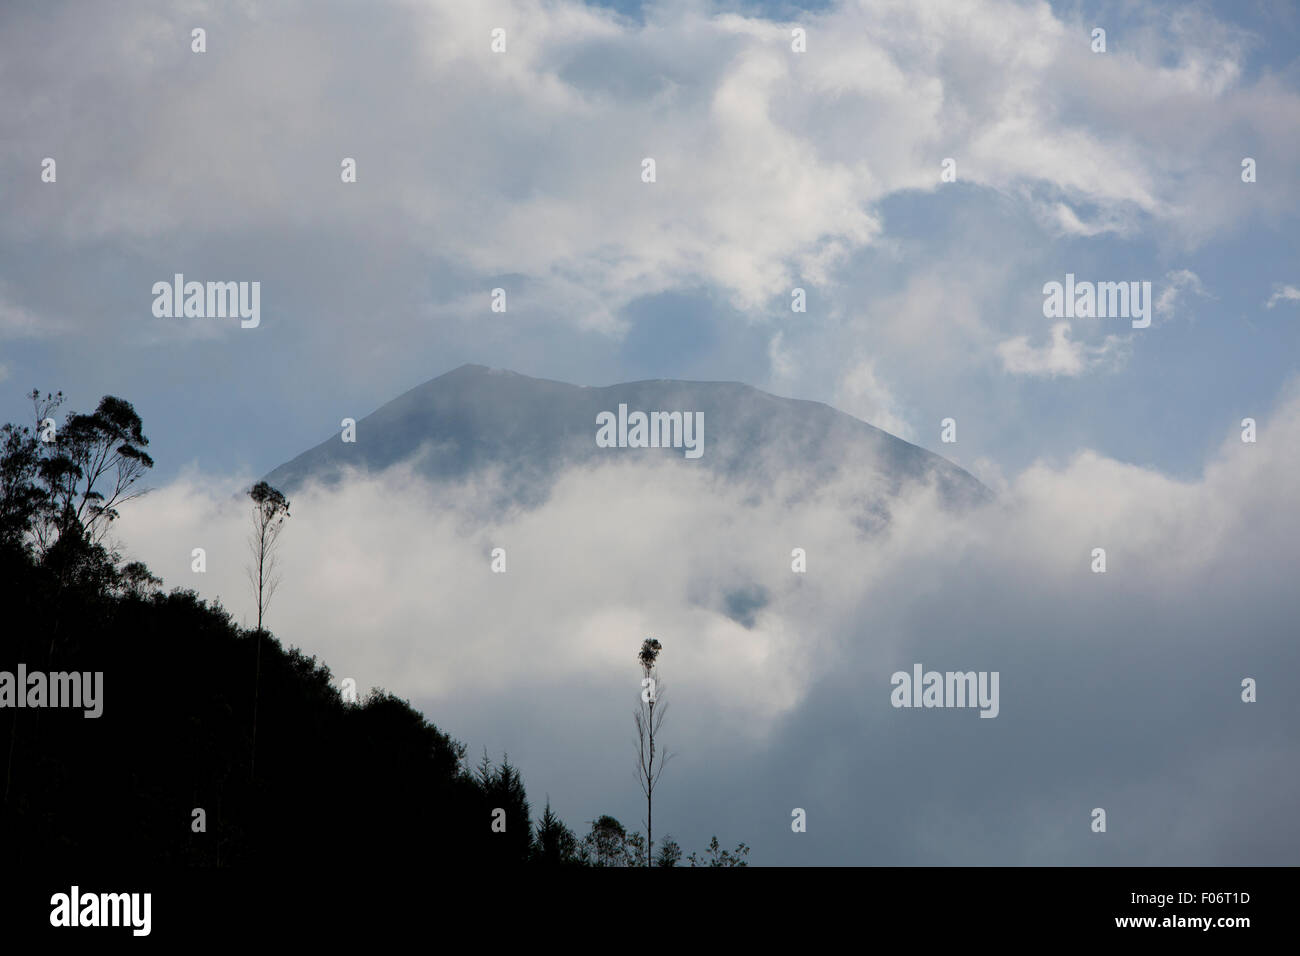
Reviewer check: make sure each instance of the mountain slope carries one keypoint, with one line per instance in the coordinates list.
(475, 418)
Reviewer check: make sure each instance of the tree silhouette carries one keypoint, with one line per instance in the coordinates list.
(669, 853)
(605, 844)
(59, 492)
(502, 788)
(81, 472)
(648, 722)
(716, 856)
(553, 843)
(270, 509)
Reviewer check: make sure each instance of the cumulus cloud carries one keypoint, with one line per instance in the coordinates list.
(1061, 357)
(1117, 689)
(522, 170)
(770, 163)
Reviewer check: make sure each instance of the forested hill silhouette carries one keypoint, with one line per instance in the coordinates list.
(371, 779)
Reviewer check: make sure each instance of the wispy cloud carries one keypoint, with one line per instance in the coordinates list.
(1062, 356)
(1177, 282)
(1283, 293)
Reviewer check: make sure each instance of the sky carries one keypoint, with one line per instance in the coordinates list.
(775, 170)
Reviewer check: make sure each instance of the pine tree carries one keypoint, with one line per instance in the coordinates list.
(553, 844)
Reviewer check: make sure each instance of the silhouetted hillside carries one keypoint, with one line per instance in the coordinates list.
(369, 783)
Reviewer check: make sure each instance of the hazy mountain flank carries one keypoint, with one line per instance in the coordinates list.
(475, 418)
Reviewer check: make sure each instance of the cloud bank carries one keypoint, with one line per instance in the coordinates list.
(1118, 690)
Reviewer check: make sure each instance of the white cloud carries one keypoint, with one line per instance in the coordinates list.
(1095, 668)
(18, 321)
(780, 357)
(1177, 282)
(770, 163)
(1283, 293)
(1061, 357)
(862, 393)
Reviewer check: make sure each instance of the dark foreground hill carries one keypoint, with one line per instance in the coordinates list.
(207, 744)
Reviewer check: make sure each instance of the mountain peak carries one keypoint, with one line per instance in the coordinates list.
(475, 417)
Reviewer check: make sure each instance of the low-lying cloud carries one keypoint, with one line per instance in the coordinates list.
(1119, 690)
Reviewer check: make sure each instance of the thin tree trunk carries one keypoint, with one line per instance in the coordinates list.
(13, 739)
(257, 680)
(257, 674)
(649, 795)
